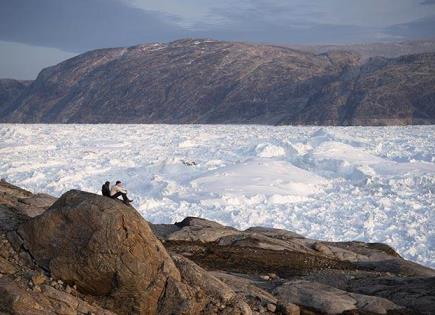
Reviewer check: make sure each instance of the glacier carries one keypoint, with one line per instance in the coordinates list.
(372, 184)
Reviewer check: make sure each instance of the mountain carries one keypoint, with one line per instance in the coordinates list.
(9, 90)
(207, 81)
(369, 50)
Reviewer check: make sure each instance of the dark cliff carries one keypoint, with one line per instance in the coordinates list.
(9, 90)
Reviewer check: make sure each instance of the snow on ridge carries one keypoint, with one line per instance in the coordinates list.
(332, 183)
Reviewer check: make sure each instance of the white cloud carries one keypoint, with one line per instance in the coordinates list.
(372, 13)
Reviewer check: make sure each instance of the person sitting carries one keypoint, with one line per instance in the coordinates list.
(105, 189)
(119, 190)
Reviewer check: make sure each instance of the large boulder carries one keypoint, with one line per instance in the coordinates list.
(103, 247)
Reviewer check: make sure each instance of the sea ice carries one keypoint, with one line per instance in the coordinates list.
(373, 184)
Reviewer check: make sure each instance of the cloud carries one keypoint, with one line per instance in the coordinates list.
(81, 25)
(428, 2)
(420, 29)
(283, 24)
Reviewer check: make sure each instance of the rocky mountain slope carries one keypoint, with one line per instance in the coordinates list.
(88, 254)
(205, 81)
(9, 90)
(381, 49)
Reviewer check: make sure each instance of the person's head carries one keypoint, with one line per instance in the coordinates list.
(118, 182)
(107, 183)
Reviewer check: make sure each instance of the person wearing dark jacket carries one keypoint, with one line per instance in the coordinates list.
(105, 189)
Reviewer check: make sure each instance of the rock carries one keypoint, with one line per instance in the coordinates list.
(42, 301)
(259, 240)
(180, 298)
(36, 288)
(200, 230)
(271, 307)
(39, 279)
(7, 267)
(9, 192)
(274, 233)
(272, 276)
(397, 266)
(109, 255)
(414, 293)
(249, 256)
(36, 204)
(265, 277)
(162, 231)
(246, 287)
(18, 205)
(10, 218)
(217, 292)
(102, 246)
(330, 300)
(289, 309)
(322, 248)
(68, 289)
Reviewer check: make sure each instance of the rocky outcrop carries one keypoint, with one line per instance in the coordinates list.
(104, 248)
(22, 201)
(219, 297)
(10, 90)
(18, 205)
(89, 254)
(331, 300)
(103, 251)
(206, 81)
(293, 274)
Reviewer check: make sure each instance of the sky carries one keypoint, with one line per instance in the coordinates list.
(38, 33)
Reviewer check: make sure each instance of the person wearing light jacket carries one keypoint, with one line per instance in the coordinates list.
(119, 190)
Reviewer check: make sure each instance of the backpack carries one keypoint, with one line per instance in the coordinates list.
(105, 189)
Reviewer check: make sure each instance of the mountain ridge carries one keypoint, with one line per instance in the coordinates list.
(215, 82)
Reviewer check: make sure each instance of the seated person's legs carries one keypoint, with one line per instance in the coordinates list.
(124, 196)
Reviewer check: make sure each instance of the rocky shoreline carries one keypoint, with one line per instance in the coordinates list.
(88, 254)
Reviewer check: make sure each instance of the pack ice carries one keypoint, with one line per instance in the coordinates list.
(373, 184)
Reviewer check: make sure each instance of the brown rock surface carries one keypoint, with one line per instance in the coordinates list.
(103, 247)
(330, 300)
(219, 296)
(14, 299)
(22, 202)
(91, 254)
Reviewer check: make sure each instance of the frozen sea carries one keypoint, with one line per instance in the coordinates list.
(373, 184)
